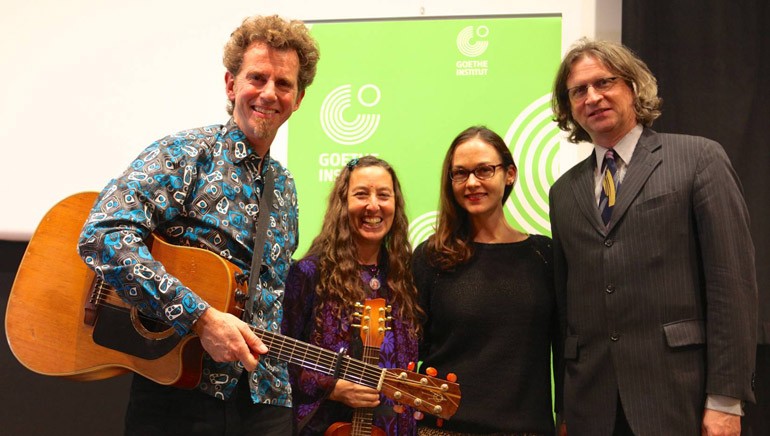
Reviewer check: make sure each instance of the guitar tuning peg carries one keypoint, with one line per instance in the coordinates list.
(389, 308)
(431, 371)
(398, 408)
(410, 366)
(356, 325)
(418, 415)
(452, 377)
(359, 305)
(439, 422)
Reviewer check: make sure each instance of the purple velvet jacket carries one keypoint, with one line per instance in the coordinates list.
(310, 389)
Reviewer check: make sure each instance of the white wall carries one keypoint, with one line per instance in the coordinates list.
(85, 85)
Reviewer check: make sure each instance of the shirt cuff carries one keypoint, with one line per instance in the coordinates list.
(722, 403)
(184, 323)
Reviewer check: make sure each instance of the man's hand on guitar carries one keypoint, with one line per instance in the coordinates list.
(354, 395)
(227, 339)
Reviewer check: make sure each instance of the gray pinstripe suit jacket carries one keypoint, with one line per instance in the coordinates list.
(660, 307)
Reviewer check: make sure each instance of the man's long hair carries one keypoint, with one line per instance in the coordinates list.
(622, 62)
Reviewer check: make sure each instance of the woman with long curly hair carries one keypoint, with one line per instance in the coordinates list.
(361, 253)
(487, 290)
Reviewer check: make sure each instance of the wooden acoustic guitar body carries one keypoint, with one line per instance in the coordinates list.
(46, 316)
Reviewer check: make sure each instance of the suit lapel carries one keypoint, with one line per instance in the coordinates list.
(643, 163)
(583, 189)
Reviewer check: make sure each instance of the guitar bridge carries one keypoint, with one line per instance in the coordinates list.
(92, 302)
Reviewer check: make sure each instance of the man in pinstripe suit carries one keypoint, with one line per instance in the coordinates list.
(659, 304)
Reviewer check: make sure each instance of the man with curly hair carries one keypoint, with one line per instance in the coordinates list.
(202, 188)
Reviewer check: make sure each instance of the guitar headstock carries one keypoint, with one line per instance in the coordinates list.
(425, 393)
(373, 317)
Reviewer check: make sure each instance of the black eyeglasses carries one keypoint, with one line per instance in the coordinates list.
(482, 172)
(580, 92)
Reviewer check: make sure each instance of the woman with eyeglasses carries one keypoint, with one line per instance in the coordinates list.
(361, 253)
(487, 291)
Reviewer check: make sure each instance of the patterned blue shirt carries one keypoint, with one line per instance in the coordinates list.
(197, 188)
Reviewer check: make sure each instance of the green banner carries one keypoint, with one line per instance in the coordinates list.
(403, 89)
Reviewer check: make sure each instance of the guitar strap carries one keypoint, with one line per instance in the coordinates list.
(263, 223)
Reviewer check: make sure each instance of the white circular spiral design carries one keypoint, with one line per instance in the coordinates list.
(464, 41)
(534, 140)
(333, 121)
(422, 227)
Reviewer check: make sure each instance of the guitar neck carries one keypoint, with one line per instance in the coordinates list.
(322, 360)
(362, 421)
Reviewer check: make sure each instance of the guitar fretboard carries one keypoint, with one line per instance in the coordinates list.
(363, 417)
(320, 359)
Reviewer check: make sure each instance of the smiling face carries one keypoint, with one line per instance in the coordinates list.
(480, 197)
(607, 116)
(264, 93)
(371, 205)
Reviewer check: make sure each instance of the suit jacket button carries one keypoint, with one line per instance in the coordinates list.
(608, 242)
(610, 289)
(614, 336)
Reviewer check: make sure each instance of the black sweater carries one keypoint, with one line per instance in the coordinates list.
(493, 321)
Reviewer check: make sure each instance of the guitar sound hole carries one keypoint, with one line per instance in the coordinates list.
(152, 324)
(114, 330)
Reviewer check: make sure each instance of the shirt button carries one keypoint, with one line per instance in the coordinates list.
(610, 289)
(615, 336)
(608, 243)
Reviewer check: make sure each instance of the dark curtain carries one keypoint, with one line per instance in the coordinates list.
(712, 61)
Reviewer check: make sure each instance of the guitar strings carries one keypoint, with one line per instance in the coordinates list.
(320, 359)
(325, 361)
(311, 356)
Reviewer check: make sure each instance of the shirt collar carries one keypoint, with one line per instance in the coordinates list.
(624, 149)
(234, 138)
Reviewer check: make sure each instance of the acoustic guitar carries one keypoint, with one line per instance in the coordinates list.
(64, 321)
(373, 318)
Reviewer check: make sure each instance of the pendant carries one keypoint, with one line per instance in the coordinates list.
(374, 283)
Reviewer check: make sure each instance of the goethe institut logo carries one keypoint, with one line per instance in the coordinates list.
(343, 127)
(472, 43)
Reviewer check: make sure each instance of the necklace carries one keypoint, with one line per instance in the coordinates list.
(374, 272)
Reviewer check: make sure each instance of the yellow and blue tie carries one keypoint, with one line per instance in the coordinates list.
(610, 186)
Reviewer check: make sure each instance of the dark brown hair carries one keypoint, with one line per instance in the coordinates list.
(451, 245)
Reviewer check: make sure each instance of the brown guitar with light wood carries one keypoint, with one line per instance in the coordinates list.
(373, 318)
(62, 320)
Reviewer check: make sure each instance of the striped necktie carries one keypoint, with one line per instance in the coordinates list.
(610, 186)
